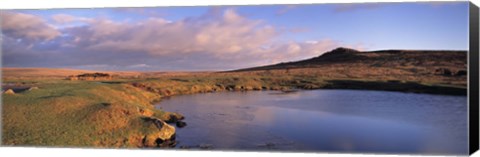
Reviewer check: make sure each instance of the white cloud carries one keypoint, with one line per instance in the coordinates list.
(216, 40)
(219, 34)
(26, 26)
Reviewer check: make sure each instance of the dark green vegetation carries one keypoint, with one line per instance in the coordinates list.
(118, 112)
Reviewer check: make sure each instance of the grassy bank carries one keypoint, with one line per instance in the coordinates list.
(79, 113)
(169, 86)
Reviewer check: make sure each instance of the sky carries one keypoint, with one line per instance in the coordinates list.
(205, 38)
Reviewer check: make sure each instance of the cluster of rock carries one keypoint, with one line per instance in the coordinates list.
(177, 120)
(448, 72)
(11, 91)
(90, 76)
(165, 136)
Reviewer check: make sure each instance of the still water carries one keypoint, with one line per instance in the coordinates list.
(323, 121)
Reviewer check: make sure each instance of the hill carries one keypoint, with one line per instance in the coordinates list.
(453, 60)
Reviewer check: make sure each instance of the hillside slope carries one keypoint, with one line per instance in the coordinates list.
(421, 66)
(455, 60)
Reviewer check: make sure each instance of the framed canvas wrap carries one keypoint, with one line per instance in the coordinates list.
(381, 78)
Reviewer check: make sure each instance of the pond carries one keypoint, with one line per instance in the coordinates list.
(323, 121)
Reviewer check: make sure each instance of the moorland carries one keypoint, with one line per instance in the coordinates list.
(85, 108)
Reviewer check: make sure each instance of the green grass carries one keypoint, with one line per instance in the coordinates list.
(75, 113)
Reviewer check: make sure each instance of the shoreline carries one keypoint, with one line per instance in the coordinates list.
(389, 86)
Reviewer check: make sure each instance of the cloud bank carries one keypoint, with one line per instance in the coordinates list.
(217, 40)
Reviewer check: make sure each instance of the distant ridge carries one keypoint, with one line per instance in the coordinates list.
(379, 58)
(55, 72)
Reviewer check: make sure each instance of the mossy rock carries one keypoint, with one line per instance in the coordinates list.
(163, 137)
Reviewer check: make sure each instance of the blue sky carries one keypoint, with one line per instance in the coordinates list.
(226, 37)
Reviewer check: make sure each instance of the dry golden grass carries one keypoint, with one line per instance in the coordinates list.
(56, 73)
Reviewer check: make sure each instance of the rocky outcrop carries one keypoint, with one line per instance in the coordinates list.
(164, 137)
(173, 117)
(448, 72)
(443, 71)
(9, 91)
(90, 76)
(181, 124)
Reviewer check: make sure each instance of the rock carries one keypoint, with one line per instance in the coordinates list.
(139, 85)
(461, 73)
(443, 71)
(174, 117)
(164, 137)
(181, 124)
(248, 88)
(220, 86)
(310, 86)
(257, 88)
(165, 92)
(9, 91)
(238, 88)
(205, 146)
(158, 123)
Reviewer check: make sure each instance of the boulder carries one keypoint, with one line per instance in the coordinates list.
(181, 124)
(9, 91)
(164, 137)
(173, 117)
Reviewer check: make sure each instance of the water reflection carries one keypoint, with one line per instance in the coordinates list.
(324, 120)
